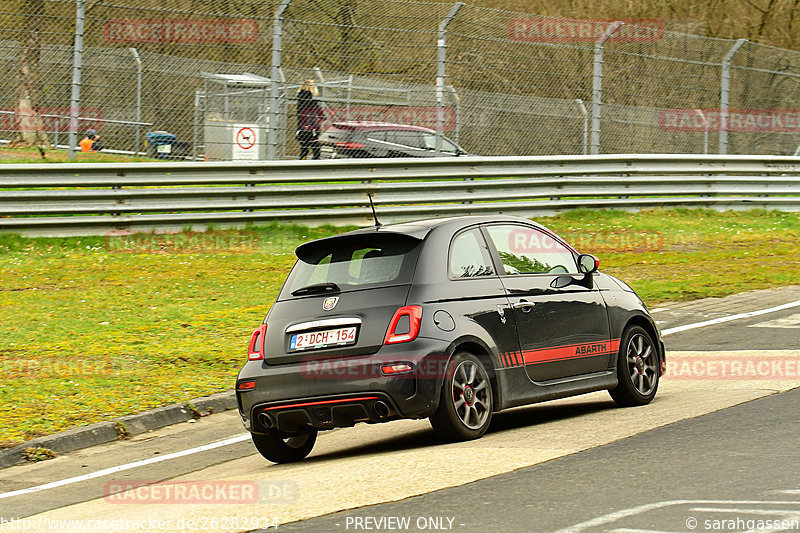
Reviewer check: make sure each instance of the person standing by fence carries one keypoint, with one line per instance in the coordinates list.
(309, 120)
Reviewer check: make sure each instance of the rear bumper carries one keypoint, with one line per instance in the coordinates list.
(339, 392)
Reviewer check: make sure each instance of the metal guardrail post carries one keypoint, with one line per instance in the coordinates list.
(77, 65)
(441, 71)
(724, 95)
(274, 92)
(597, 84)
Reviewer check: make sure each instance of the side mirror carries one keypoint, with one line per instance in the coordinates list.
(562, 281)
(588, 264)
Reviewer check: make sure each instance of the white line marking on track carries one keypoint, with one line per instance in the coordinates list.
(678, 329)
(127, 466)
(792, 321)
(640, 531)
(633, 511)
(739, 510)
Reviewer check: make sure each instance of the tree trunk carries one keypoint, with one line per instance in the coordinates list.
(29, 130)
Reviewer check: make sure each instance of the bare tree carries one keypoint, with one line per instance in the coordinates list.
(29, 130)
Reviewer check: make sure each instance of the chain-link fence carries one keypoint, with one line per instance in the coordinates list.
(219, 79)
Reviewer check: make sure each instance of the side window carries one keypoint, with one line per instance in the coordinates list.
(430, 144)
(525, 250)
(448, 147)
(469, 257)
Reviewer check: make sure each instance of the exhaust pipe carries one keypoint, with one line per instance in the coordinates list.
(266, 420)
(381, 409)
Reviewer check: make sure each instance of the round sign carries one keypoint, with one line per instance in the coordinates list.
(245, 138)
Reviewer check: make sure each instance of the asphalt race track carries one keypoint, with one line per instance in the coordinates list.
(717, 448)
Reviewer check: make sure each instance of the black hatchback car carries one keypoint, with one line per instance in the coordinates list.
(356, 139)
(451, 319)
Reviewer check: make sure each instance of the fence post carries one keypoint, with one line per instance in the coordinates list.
(77, 65)
(441, 71)
(457, 125)
(699, 112)
(135, 53)
(597, 84)
(585, 114)
(724, 95)
(198, 96)
(274, 93)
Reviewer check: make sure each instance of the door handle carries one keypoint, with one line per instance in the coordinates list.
(524, 305)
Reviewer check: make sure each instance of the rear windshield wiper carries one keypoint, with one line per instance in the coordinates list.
(317, 287)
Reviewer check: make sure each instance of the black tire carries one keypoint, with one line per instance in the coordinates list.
(465, 403)
(637, 369)
(285, 448)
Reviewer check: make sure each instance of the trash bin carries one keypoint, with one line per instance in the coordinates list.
(160, 144)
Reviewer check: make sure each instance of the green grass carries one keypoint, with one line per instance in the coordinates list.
(32, 155)
(95, 328)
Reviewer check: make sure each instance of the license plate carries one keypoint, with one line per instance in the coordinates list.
(323, 338)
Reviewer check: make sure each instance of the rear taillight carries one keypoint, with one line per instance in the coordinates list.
(396, 368)
(256, 349)
(246, 386)
(407, 332)
(349, 145)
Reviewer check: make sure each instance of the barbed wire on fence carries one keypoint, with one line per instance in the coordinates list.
(192, 75)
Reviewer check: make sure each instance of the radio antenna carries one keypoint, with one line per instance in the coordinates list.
(374, 214)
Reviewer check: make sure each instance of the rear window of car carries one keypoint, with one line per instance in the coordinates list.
(354, 262)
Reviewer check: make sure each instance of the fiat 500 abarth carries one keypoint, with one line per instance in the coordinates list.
(450, 319)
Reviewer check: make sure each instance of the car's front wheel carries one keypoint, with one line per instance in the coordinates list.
(637, 369)
(465, 405)
(281, 447)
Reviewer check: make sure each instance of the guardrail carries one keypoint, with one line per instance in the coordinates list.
(93, 199)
